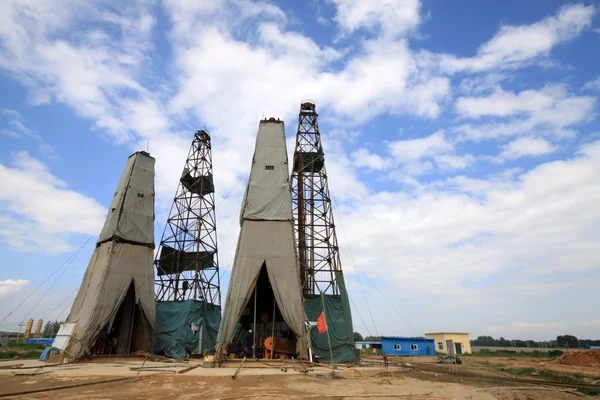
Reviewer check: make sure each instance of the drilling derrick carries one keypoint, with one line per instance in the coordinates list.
(318, 250)
(187, 262)
(321, 274)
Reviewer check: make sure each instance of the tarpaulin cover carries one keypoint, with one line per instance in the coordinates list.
(266, 237)
(179, 325)
(112, 269)
(123, 256)
(131, 213)
(268, 195)
(339, 325)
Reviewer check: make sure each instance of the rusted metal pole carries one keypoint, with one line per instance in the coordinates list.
(273, 329)
(254, 327)
(238, 370)
(327, 329)
(146, 358)
(301, 232)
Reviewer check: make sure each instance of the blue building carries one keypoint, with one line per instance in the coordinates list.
(40, 340)
(407, 346)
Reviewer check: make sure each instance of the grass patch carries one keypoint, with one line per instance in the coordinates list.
(589, 391)
(490, 364)
(521, 371)
(549, 375)
(21, 351)
(18, 355)
(510, 353)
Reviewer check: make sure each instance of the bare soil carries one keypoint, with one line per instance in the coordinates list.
(248, 387)
(581, 358)
(437, 383)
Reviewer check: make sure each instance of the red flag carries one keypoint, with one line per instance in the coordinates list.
(321, 324)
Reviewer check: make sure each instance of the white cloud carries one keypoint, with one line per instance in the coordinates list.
(502, 103)
(413, 149)
(39, 211)
(18, 130)
(549, 111)
(415, 155)
(364, 159)
(526, 146)
(516, 46)
(548, 218)
(391, 17)
(592, 85)
(481, 83)
(11, 113)
(8, 286)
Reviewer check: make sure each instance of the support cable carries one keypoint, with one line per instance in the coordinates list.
(359, 280)
(360, 316)
(59, 304)
(365, 275)
(54, 283)
(50, 276)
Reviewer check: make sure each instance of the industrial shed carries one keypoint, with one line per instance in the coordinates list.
(407, 346)
(451, 343)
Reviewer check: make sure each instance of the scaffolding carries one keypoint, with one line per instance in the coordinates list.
(318, 250)
(187, 264)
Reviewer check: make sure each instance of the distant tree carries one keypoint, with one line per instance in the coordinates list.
(358, 337)
(567, 341)
(373, 338)
(47, 331)
(484, 341)
(55, 328)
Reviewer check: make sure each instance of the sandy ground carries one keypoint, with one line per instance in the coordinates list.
(244, 387)
(272, 383)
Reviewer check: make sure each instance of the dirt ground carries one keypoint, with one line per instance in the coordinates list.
(245, 387)
(498, 365)
(435, 383)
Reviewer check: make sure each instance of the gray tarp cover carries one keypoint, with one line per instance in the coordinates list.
(114, 266)
(131, 213)
(266, 236)
(268, 195)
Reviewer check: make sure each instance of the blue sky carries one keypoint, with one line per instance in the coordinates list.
(462, 143)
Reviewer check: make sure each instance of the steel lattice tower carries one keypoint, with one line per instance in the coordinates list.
(187, 261)
(318, 250)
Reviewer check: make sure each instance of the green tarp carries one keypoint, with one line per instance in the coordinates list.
(175, 336)
(173, 261)
(200, 185)
(339, 324)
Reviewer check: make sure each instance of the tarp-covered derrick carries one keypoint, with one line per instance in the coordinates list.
(114, 311)
(266, 243)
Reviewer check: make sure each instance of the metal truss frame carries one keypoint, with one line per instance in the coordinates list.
(187, 262)
(318, 249)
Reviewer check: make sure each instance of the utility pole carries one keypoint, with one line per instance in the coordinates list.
(19, 333)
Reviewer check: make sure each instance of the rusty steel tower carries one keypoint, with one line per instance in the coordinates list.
(318, 250)
(187, 262)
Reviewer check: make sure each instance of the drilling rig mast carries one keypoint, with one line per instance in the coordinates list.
(187, 262)
(318, 250)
